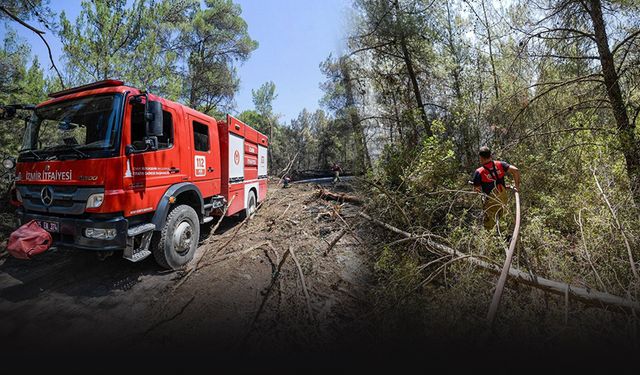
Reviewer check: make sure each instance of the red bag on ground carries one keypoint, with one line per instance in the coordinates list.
(29, 240)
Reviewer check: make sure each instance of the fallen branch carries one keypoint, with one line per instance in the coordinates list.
(266, 296)
(304, 285)
(587, 296)
(233, 236)
(393, 200)
(353, 234)
(335, 241)
(283, 213)
(156, 325)
(235, 253)
(340, 197)
(288, 167)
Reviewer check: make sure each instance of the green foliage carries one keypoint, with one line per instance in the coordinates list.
(215, 37)
(253, 118)
(488, 78)
(263, 98)
(183, 50)
(436, 164)
(25, 83)
(26, 10)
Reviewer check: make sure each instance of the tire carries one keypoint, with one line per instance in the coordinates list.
(252, 206)
(178, 240)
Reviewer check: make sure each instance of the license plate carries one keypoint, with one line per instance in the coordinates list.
(49, 226)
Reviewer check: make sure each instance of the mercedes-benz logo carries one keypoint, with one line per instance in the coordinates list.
(46, 195)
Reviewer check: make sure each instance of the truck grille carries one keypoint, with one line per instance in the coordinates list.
(65, 199)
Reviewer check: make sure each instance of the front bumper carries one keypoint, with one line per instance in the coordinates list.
(71, 231)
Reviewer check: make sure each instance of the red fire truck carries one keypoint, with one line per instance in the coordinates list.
(109, 167)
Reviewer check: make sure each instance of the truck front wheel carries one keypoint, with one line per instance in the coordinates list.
(178, 240)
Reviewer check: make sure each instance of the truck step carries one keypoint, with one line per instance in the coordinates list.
(140, 255)
(137, 253)
(137, 230)
(207, 219)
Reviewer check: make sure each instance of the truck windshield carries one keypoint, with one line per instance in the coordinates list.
(73, 128)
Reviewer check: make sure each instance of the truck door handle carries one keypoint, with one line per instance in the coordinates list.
(173, 170)
(210, 169)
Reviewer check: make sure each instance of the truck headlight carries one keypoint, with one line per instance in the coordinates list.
(8, 163)
(95, 200)
(100, 233)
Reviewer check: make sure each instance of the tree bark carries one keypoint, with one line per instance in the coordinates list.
(626, 131)
(354, 118)
(491, 60)
(455, 71)
(340, 197)
(412, 76)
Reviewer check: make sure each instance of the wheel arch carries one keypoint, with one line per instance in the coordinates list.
(184, 193)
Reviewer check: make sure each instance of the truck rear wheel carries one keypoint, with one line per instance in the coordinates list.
(252, 206)
(178, 240)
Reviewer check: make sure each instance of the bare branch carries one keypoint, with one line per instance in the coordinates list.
(40, 33)
(626, 40)
(586, 78)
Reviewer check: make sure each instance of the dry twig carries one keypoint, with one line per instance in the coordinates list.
(618, 225)
(586, 251)
(157, 324)
(236, 253)
(266, 296)
(304, 284)
(335, 241)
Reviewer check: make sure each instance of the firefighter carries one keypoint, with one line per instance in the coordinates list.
(489, 179)
(336, 172)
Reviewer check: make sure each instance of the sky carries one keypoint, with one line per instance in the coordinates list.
(294, 37)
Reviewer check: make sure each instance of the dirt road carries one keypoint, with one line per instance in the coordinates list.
(69, 298)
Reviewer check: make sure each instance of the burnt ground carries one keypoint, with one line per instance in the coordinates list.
(69, 301)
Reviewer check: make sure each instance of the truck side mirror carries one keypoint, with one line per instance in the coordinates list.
(153, 117)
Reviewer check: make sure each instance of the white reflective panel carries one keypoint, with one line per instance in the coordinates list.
(262, 161)
(236, 156)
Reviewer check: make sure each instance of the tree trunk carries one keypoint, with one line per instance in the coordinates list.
(362, 153)
(412, 76)
(490, 42)
(626, 132)
(455, 72)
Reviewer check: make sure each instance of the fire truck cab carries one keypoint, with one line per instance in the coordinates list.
(108, 167)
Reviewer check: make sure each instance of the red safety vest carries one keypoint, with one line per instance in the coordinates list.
(493, 174)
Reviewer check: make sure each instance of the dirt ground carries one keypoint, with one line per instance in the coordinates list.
(244, 306)
(63, 295)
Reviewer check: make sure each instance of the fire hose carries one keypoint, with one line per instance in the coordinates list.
(497, 295)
